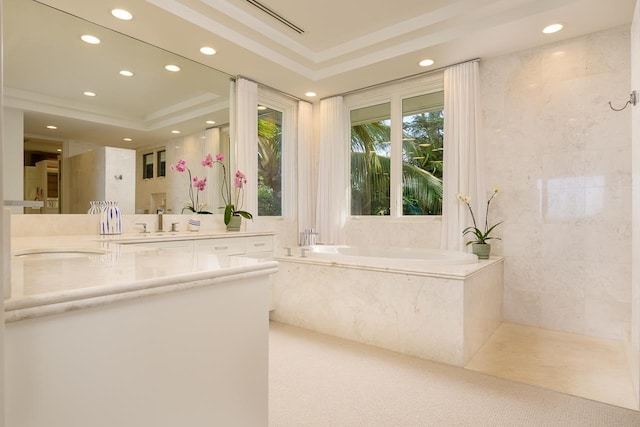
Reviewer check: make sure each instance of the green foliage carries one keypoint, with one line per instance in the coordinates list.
(269, 165)
(421, 169)
(230, 210)
(267, 203)
(481, 237)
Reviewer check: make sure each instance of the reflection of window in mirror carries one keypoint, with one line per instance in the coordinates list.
(269, 162)
(162, 163)
(147, 166)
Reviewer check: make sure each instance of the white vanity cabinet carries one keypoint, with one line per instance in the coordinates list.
(255, 246)
(171, 244)
(258, 246)
(224, 246)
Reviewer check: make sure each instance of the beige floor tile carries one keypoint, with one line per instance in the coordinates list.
(578, 365)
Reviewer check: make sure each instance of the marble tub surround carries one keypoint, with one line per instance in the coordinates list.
(443, 314)
(47, 285)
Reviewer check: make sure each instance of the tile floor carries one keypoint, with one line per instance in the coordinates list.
(578, 365)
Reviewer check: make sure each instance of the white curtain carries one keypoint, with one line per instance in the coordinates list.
(246, 138)
(306, 168)
(332, 189)
(462, 154)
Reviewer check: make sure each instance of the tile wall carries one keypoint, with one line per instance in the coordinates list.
(563, 160)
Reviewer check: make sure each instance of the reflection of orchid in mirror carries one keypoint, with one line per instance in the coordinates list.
(193, 204)
(231, 208)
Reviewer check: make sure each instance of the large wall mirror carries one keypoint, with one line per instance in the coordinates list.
(120, 117)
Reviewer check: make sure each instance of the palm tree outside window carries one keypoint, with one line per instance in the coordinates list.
(422, 155)
(269, 162)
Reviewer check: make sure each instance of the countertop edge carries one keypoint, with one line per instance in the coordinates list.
(34, 307)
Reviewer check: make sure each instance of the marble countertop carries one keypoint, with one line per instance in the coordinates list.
(56, 274)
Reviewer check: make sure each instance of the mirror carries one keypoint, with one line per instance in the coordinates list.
(104, 143)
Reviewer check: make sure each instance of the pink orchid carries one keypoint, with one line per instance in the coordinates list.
(208, 161)
(181, 166)
(219, 157)
(239, 179)
(200, 184)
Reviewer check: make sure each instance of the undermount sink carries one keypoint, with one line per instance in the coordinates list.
(60, 253)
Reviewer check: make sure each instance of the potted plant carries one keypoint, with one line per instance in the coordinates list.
(480, 245)
(232, 210)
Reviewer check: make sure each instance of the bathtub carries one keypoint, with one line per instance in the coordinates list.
(392, 257)
(435, 305)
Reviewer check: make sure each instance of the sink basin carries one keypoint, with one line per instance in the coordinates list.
(59, 253)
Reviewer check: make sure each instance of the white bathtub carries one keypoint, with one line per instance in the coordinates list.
(391, 257)
(432, 304)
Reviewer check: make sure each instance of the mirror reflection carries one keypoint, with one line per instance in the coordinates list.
(104, 120)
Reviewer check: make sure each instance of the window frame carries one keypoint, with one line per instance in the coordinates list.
(289, 109)
(161, 163)
(394, 93)
(145, 164)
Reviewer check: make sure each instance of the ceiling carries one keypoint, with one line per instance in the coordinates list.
(351, 44)
(46, 72)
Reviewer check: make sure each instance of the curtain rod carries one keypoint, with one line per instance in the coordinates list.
(400, 79)
(239, 76)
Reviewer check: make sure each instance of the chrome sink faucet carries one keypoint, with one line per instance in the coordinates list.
(144, 226)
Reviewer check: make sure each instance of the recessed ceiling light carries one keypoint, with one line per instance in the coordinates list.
(426, 62)
(122, 14)
(172, 67)
(553, 28)
(175, 131)
(310, 94)
(52, 127)
(126, 73)
(211, 122)
(88, 38)
(261, 108)
(127, 139)
(88, 93)
(207, 50)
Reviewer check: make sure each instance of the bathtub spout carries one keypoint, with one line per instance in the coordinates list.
(308, 237)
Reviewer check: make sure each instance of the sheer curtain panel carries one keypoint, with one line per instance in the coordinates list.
(247, 142)
(462, 154)
(331, 208)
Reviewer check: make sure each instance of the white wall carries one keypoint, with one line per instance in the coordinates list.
(563, 159)
(635, 141)
(5, 276)
(91, 175)
(193, 149)
(13, 156)
(119, 177)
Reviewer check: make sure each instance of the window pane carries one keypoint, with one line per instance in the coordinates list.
(422, 151)
(147, 166)
(269, 162)
(162, 163)
(370, 160)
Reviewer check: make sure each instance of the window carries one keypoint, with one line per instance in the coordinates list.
(162, 163)
(422, 154)
(371, 160)
(396, 148)
(269, 162)
(147, 166)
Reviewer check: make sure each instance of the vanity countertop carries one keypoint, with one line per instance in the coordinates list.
(56, 274)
